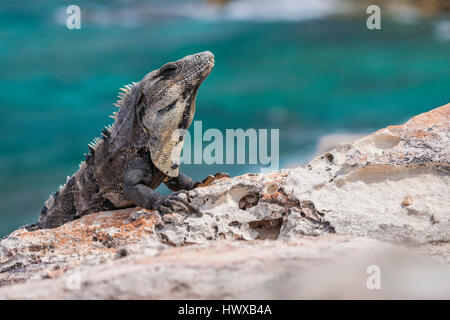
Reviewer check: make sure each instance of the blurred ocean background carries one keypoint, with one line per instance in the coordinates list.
(309, 68)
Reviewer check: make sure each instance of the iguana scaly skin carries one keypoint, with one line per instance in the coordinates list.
(139, 151)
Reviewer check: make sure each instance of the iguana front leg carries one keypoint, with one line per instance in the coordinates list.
(136, 180)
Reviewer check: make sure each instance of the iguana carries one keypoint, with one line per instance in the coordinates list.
(139, 150)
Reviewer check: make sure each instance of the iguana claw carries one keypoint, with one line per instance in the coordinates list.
(211, 178)
(175, 203)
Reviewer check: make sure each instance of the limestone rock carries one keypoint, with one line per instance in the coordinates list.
(265, 235)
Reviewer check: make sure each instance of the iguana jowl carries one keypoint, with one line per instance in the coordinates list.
(139, 151)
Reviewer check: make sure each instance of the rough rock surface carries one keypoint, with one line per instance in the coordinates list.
(307, 232)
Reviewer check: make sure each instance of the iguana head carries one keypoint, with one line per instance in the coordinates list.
(166, 106)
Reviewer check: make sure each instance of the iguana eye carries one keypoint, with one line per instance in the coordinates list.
(168, 69)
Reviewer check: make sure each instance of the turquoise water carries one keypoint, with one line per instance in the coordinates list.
(57, 87)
